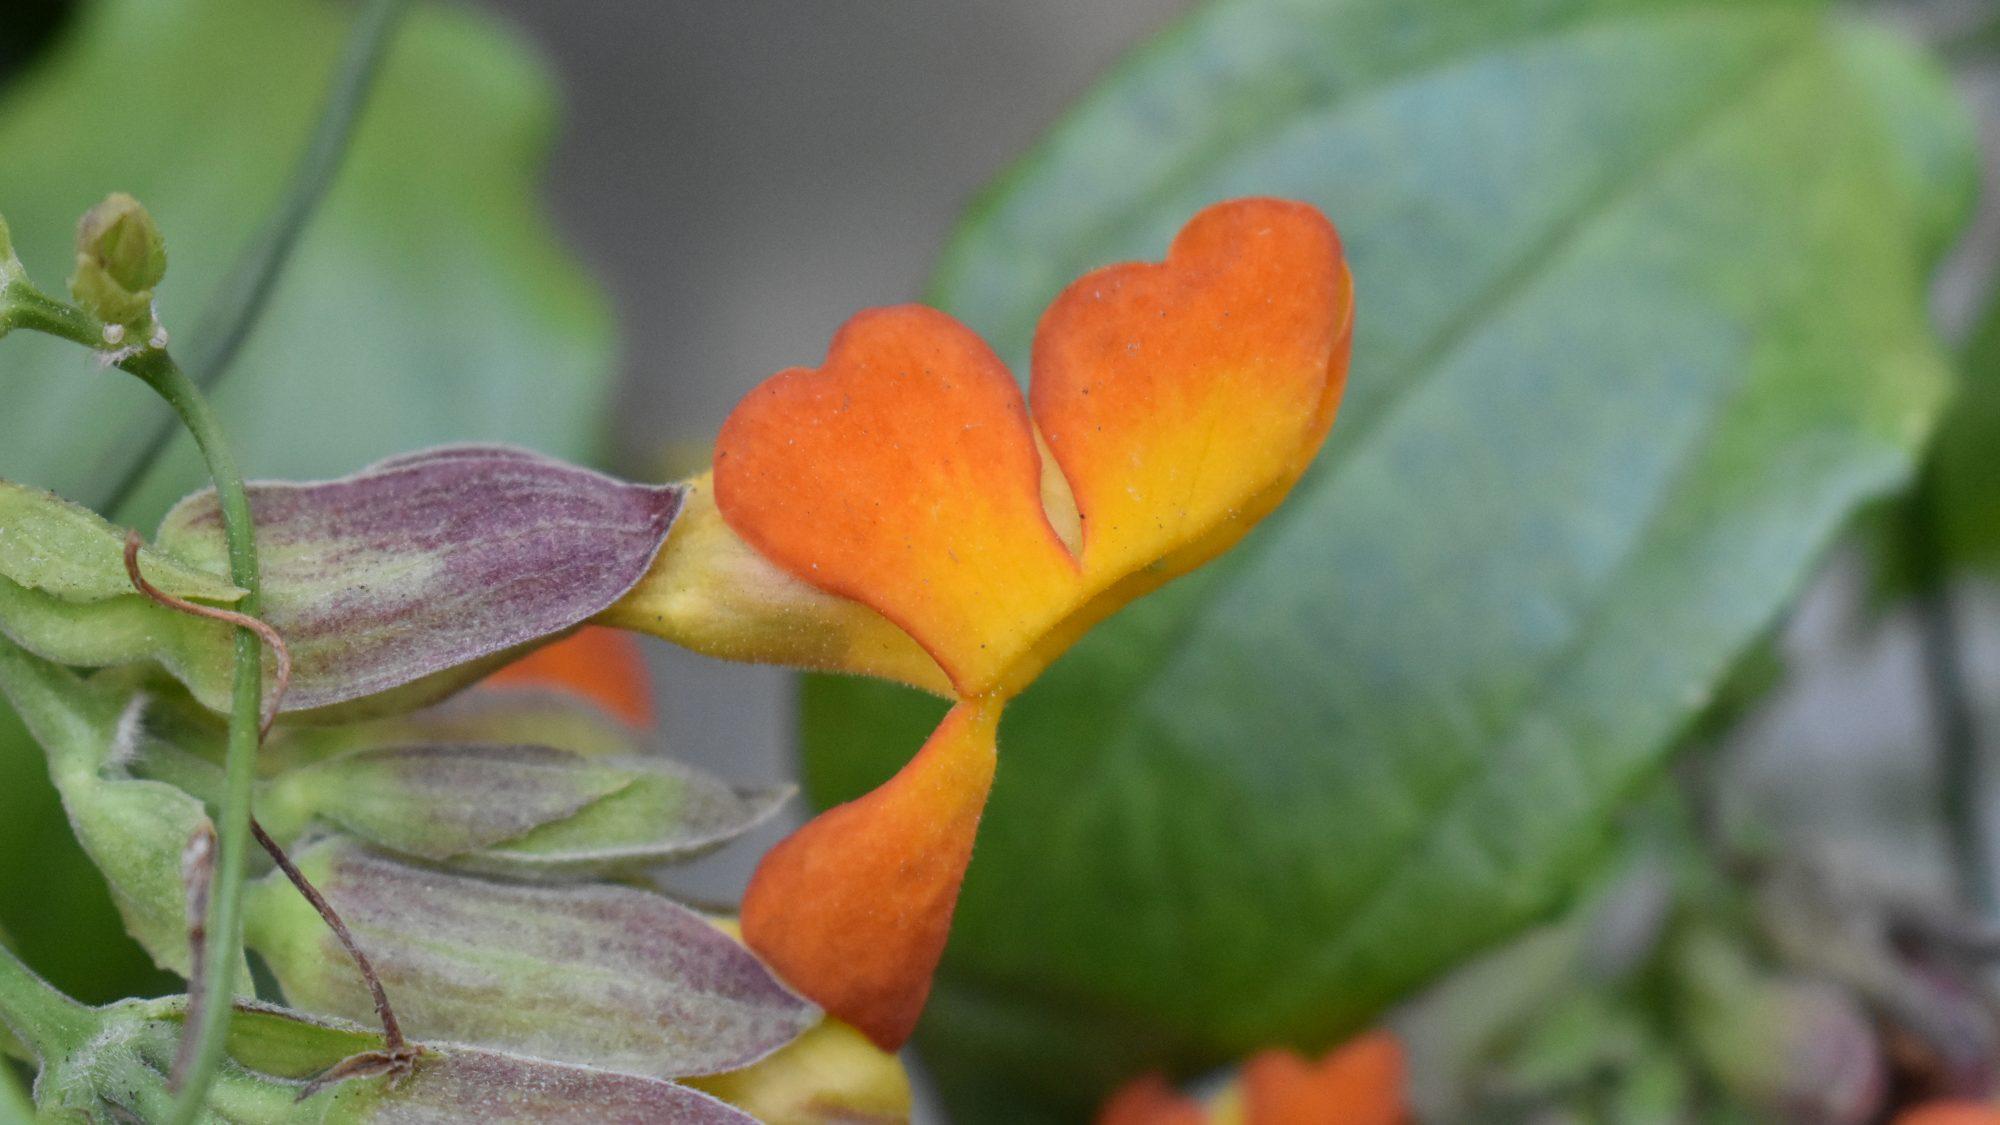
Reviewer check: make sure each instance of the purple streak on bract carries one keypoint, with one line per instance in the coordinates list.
(607, 976)
(458, 1084)
(432, 560)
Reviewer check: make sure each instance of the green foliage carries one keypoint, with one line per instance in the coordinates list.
(1641, 315)
(427, 302)
(607, 976)
(133, 829)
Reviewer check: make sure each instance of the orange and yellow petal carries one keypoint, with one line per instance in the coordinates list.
(601, 665)
(1185, 397)
(1150, 1100)
(712, 593)
(853, 909)
(903, 474)
(1359, 1083)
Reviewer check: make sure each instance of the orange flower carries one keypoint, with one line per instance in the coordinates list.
(903, 511)
(1150, 1100)
(599, 664)
(1359, 1083)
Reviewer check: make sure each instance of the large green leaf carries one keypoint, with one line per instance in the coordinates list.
(1640, 323)
(428, 301)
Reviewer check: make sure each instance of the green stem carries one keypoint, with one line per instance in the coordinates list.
(225, 914)
(49, 1023)
(239, 303)
(23, 306)
(1948, 684)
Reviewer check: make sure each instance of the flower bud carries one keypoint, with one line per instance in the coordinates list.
(120, 257)
(120, 1074)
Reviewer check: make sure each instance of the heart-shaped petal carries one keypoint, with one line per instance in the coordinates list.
(1182, 399)
(903, 474)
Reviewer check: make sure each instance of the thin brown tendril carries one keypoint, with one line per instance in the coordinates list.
(279, 652)
(197, 875)
(398, 1056)
(392, 1032)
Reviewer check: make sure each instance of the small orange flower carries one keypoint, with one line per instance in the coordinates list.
(1151, 1100)
(904, 511)
(1361, 1082)
(602, 665)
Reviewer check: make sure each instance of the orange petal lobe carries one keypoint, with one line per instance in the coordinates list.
(903, 474)
(602, 665)
(1188, 396)
(853, 909)
(1360, 1083)
(1150, 1100)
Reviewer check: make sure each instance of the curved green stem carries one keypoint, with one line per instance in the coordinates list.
(225, 913)
(47, 1022)
(23, 306)
(236, 307)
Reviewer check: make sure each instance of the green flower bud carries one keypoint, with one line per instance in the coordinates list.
(120, 257)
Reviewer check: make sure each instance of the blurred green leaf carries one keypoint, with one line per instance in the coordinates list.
(428, 301)
(1641, 322)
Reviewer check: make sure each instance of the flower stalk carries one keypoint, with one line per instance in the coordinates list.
(157, 370)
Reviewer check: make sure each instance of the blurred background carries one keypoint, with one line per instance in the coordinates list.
(1650, 659)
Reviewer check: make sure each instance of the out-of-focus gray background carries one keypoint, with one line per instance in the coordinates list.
(745, 175)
